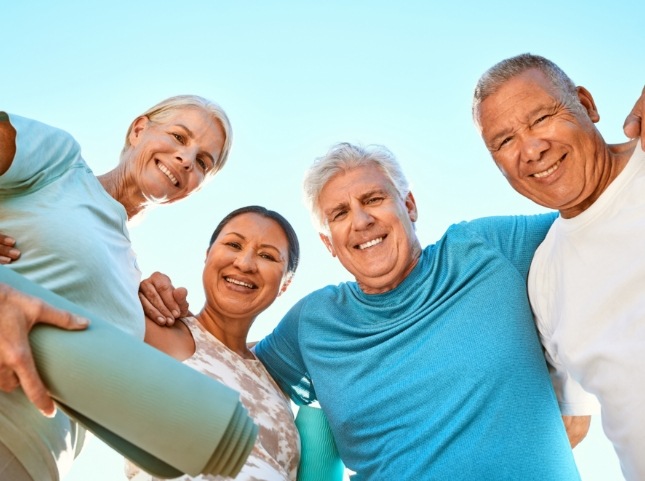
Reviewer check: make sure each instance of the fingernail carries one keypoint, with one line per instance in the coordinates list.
(161, 320)
(81, 321)
(14, 252)
(175, 313)
(9, 241)
(170, 320)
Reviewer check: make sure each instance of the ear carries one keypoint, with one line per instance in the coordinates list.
(588, 103)
(285, 284)
(327, 241)
(138, 126)
(411, 206)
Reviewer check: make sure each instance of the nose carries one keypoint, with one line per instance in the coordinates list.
(533, 148)
(362, 219)
(245, 261)
(186, 158)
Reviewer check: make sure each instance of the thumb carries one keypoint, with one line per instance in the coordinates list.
(632, 126)
(180, 295)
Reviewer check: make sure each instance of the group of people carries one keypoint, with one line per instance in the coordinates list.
(427, 366)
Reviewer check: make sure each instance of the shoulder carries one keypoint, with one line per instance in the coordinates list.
(494, 227)
(176, 341)
(39, 154)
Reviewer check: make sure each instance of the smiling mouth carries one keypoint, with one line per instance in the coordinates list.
(550, 170)
(240, 283)
(168, 174)
(371, 243)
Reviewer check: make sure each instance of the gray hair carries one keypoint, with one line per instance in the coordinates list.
(161, 111)
(509, 68)
(342, 158)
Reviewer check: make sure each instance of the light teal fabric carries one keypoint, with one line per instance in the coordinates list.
(164, 416)
(319, 458)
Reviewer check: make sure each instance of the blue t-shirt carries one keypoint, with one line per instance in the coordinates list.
(442, 378)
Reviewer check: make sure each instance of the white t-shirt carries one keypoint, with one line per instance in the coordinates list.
(587, 290)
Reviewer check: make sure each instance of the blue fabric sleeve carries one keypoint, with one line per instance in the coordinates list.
(280, 353)
(516, 237)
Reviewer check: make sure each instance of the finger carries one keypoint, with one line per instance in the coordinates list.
(56, 317)
(8, 380)
(8, 251)
(6, 240)
(34, 388)
(632, 126)
(180, 294)
(151, 312)
(158, 289)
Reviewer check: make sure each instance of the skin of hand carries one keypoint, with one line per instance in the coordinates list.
(577, 428)
(8, 251)
(633, 126)
(161, 301)
(20, 313)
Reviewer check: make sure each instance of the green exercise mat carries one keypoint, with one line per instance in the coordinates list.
(319, 458)
(162, 415)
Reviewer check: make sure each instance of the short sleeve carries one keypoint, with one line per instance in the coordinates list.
(280, 353)
(516, 237)
(43, 153)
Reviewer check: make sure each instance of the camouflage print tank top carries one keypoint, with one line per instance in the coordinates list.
(276, 453)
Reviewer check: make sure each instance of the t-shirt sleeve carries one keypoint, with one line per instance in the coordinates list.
(43, 153)
(572, 398)
(280, 353)
(516, 237)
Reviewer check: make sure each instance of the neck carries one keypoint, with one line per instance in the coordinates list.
(610, 162)
(232, 333)
(115, 183)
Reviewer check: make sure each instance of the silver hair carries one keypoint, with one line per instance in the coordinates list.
(341, 158)
(498, 74)
(159, 112)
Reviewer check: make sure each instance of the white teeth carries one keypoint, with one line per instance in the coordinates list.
(548, 171)
(239, 283)
(168, 174)
(371, 243)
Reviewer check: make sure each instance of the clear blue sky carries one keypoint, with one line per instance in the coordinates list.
(296, 77)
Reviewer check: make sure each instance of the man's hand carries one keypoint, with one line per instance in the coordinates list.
(18, 315)
(633, 126)
(577, 428)
(8, 251)
(161, 301)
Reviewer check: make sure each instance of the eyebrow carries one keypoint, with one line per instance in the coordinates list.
(362, 197)
(192, 136)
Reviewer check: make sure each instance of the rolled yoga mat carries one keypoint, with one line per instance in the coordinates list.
(162, 415)
(319, 458)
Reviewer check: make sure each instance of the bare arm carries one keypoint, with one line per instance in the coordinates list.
(577, 428)
(19, 315)
(175, 340)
